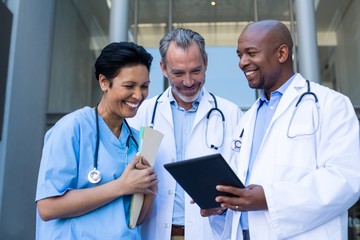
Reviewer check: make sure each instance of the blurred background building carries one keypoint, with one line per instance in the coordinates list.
(48, 49)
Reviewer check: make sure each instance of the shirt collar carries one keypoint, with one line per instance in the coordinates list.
(281, 90)
(195, 103)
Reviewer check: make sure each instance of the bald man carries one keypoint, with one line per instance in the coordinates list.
(300, 155)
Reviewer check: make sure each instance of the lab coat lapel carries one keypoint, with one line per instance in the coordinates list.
(244, 155)
(290, 95)
(164, 107)
(205, 105)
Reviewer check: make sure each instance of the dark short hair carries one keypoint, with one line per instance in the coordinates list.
(118, 55)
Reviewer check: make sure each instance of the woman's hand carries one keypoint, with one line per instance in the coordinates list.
(143, 164)
(138, 177)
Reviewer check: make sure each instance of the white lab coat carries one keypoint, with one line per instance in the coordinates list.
(196, 227)
(309, 181)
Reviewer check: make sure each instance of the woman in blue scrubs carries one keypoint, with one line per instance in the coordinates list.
(89, 167)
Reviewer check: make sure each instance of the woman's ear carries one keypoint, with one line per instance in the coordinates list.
(103, 82)
(283, 53)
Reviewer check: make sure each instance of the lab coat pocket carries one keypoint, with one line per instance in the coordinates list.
(299, 152)
(294, 158)
(300, 130)
(290, 173)
(304, 120)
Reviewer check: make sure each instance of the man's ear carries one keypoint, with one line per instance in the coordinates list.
(163, 69)
(283, 53)
(103, 82)
(206, 64)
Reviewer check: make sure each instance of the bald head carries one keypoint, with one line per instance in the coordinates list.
(275, 31)
(265, 53)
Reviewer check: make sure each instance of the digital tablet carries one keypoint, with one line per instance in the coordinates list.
(199, 177)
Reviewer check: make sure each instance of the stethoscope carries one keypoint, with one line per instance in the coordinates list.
(308, 92)
(237, 143)
(208, 116)
(94, 175)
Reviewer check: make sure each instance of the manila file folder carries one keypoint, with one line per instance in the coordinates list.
(150, 143)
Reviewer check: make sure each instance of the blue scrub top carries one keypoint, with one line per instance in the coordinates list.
(67, 158)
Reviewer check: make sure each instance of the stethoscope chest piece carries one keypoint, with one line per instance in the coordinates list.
(236, 145)
(94, 176)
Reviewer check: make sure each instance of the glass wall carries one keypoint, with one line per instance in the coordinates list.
(80, 32)
(338, 27)
(82, 27)
(339, 49)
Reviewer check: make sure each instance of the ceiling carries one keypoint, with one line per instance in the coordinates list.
(156, 13)
(219, 24)
(235, 10)
(203, 11)
(328, 12)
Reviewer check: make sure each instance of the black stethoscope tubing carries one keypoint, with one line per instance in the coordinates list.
(308, 92)
(215, 109)
(207, 116)
(154, 111)
(237, 143)
(94, 175)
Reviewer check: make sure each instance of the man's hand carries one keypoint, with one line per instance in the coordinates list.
(212, 211)
(251, 198)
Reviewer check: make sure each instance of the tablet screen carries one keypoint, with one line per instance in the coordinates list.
(199, 177)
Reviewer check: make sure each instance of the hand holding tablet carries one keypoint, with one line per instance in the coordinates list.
(200, 176)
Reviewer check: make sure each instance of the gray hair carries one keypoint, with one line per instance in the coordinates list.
(183, 38)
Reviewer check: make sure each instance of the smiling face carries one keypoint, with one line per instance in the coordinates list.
(185, 69)
(257, 60)
(128, 90)
(263, 52)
